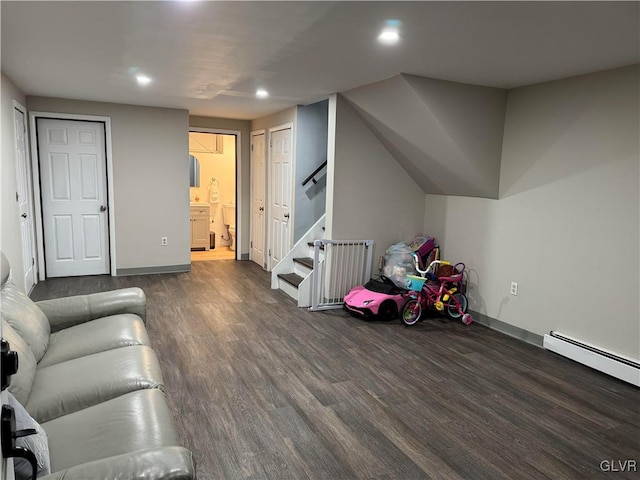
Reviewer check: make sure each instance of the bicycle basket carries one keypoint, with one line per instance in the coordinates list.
(415, 283)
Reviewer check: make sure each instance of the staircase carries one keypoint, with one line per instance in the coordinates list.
(297, 283)
(292, 274)
(319, 273)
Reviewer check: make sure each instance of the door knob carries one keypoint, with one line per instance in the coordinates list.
(261, 209)
(24, 215)
(103, 208)
(286, 215)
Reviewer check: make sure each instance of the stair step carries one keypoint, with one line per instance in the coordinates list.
(291, 278)
(306, 261)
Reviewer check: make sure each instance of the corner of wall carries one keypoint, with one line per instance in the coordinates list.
(373, 197)
(568, 192)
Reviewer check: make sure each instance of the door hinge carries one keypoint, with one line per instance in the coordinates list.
(251, 246)
(17, 197)
(269, 252)
(33, 261)
(252, 147)
(271, 143)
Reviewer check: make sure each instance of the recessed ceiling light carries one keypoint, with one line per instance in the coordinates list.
(391, 32)
(389, 37)
(262, 93)
(143, 80)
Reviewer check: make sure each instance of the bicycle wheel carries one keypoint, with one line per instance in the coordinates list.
(411, 311)
(456, 307)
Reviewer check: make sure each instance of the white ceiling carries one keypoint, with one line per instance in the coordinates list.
(210, 57)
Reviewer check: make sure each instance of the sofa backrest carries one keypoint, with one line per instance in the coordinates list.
(22, 381)
(24, 315)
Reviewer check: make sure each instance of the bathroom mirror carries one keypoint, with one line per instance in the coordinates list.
(194, 171)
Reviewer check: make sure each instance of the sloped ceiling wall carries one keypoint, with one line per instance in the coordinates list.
(446, 135)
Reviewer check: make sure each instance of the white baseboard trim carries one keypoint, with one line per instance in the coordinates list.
(618, 366)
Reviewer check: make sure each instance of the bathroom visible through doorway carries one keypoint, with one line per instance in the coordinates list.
(212, 193)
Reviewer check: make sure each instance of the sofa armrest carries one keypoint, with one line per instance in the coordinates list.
(164, 463)
(68, 311)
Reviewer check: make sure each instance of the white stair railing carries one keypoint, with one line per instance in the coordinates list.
(346, 263)
(300, 249)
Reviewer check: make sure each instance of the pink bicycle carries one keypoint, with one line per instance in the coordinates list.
(439, 288)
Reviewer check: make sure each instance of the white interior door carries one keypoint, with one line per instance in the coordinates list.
(73, 188)
(257, 198)
(24, 197)
(281, 158)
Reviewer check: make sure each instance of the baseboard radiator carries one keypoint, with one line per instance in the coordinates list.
(617, 366)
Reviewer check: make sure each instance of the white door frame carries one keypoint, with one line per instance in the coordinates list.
(254, 133)
(238, 134)
(268, 195)
(35, 164)
(30, 190)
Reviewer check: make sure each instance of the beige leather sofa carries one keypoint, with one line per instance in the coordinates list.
(88, 375)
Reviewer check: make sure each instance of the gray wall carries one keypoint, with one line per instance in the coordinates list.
(243, 126)
(280, 118)
(447, 135)
(151, 179)
(566, 224)
(311, 151)
(369, 195)
(10, 237)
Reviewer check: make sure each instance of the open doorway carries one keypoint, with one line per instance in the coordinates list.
(212, 193)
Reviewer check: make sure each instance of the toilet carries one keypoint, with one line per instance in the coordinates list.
(229, 219)
(232, 232)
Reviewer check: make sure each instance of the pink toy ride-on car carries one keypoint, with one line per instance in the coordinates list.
(377, 299)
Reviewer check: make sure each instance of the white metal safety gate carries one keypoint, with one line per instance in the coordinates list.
(339, 265)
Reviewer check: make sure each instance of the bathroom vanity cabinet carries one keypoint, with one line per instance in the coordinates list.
(199, 227)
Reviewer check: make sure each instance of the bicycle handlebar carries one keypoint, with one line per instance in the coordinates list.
(431, 267)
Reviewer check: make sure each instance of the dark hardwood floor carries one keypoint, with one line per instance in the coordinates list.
(263, 390)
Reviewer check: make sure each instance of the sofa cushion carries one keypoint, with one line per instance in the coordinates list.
(22, 381)
(67, 311)
(70, 386)
(136, 421)
(95, 336)
(168, 463)
(36, 443)
(26, 318)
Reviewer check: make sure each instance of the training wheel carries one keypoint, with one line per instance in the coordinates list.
(466, 319)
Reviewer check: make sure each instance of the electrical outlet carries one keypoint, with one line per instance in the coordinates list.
(163, 241)
(514, 288)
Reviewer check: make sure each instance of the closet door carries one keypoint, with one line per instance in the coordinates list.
(281, 194)
(257, 198)
(73, 187)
